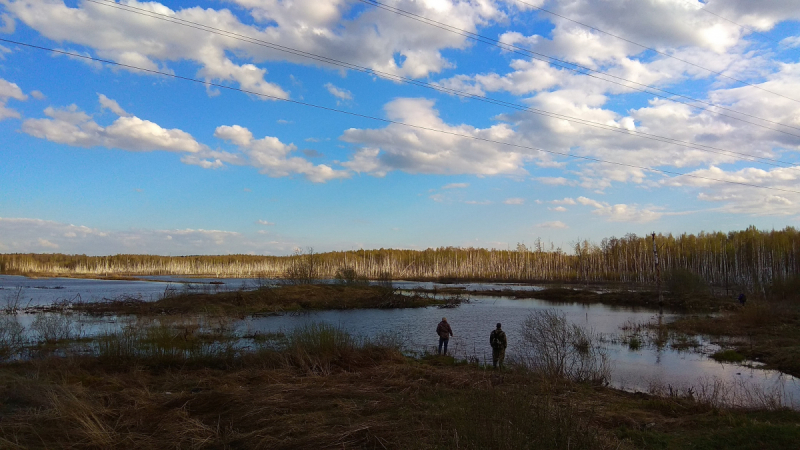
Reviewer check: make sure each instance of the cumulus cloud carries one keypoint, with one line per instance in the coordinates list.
(25, 235)
(565, 201)
(779, 200)
(270, 156)
(369, 37)
(9, 90)
(558, 209)
(398, 147)
(71, 126)
(514, 201)
(621, 212)
(265, 222)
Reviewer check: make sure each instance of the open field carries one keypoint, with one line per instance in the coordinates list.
(322, 388)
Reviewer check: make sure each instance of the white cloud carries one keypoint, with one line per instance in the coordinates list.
(71, 126)
(553, 181)
(369, 37)
(44, 243)
(398, 147)
(342, 95)
(9, 25)
(25, 235)
(111, 105)
(456, 186)
(744, 199)
(590, 202)
(265, 222)
(38, 95)
(621, 212)
(791, 42)
(555, 224)
(558, 209)
(9, 90)
(566, 201)
(270, 156)
(514, 201)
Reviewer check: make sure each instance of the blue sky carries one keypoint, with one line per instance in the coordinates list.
(103, 159)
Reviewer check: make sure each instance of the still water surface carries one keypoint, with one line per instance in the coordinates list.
(640, 369)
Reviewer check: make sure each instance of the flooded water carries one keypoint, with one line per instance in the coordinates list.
(648, 368)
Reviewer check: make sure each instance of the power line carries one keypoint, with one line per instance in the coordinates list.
(720, 73)
(395, 122)
(549, 59)
(332, 61)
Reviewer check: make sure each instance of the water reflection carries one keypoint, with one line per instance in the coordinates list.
(654, 366)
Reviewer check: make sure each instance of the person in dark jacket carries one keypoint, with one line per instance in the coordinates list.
(497, 339)
(444, 331)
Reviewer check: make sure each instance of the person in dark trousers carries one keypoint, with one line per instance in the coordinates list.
(497, 339)
(742, 299)
(444, 331)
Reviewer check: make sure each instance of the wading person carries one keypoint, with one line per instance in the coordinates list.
(444, 331)
(497, 339)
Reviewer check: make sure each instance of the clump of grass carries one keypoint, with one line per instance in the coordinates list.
(728, 355)
(166, 344)
(634, 343)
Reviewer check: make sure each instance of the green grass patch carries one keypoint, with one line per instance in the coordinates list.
(728, 355)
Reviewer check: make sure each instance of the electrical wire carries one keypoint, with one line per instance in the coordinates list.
(722, 74)
(389, 121)
(583, 70)
(332, 61)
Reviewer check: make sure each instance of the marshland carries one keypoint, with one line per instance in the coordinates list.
(606, 348)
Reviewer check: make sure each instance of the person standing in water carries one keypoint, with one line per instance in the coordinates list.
(497, 339)
(444, 331)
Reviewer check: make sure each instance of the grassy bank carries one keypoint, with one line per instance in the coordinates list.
(267, 300)
(765, 331)
(319, 387)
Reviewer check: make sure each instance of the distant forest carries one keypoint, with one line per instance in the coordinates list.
(748, 259)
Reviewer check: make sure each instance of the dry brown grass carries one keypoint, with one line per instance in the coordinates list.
(376, 400)
(766, 331)
(269, 300)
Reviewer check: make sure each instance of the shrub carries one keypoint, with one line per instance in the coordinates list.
(54, 327)
(12, 336)
(556, 348)
(685, 282)
(349, 276)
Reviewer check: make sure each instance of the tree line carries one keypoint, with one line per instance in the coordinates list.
(749, 259)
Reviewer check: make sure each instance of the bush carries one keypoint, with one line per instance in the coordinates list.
(303, 268)
(784, 288)
(685, 282)
(12, 336)
(349, 276)
(556, 348)
(54, 327)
